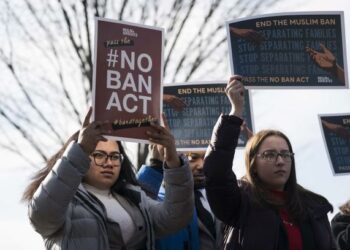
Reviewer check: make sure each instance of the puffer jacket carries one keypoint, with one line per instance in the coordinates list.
(254, 226)
(68, 217)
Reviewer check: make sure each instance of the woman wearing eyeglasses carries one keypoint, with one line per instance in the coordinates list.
(87, 196)
(267, 209)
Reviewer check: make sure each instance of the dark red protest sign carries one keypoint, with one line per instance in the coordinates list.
(127, 77)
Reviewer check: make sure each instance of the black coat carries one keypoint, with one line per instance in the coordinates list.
(256, 226)
(341, 230)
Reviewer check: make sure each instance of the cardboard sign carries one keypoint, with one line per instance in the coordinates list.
(336, 134)
(205, 101)
(294, 50)
(127, 86)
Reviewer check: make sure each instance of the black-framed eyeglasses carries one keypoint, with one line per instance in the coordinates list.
(272, 155)
(101, 158)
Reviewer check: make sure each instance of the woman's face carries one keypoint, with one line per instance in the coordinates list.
(104, 171)
(273, 172)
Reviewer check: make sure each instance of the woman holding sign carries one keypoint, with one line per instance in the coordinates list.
(267, 209)
(87, 196)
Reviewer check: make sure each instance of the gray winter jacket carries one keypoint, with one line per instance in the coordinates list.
(70, 218)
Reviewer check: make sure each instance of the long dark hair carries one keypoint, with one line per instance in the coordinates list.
(127, 172)
(296, 194)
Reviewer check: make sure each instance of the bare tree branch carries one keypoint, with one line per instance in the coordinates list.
(214, 6)
(55, 53)
(60, 74)
(155, 8)
(25, 135)
(178, 34)
(10, 66)
(18, 152)
(78, 48)
(122, 9)
(174, 11)
(87, 30)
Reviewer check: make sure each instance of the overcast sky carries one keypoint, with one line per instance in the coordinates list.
(294, 112)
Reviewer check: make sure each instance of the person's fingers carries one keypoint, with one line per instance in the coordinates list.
(235, 86)
(235, 77)
(314, 57)
(180, 103)
(106, 126)
(323, 48)
(159, 139)
(165, 121)
(101, 138)
(245, 129)
(310, 51)
(97, 125)
(240, 89)
(230, 85)
(87, 117)
(157, 133)
(99, 128)
(159, 129)
(179, 100)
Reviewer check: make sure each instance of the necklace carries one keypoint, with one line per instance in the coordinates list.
(288, 223)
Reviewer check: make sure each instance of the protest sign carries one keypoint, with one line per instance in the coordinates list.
(293, 50)
(205, 101)
(127, 77)
(336, 134)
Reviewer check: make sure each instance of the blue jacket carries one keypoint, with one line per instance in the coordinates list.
(186, 238)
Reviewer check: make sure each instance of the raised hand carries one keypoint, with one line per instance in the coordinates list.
(248, 34)
(337, 129)
(174, 102)
(165, 141)
(156, 152)
(246, 131)
(326, 61)
(91, 133)
(235, 93)
(323, 59)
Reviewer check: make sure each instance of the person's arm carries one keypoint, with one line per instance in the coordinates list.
(50, 202)
(176, 210)
(221, 184)
(150, 176)
(48, 207)
(325, 60)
